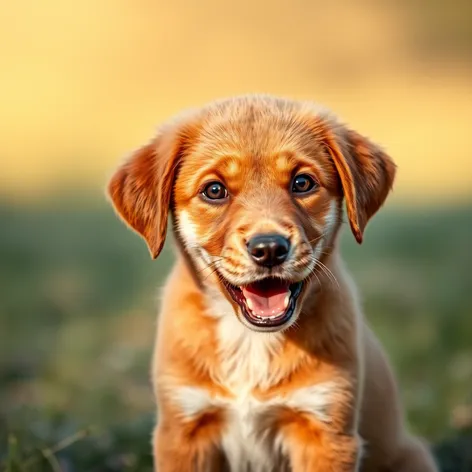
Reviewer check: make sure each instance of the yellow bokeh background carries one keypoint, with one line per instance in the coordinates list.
(83, 83)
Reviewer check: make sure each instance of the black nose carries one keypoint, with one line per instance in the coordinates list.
(268, 250)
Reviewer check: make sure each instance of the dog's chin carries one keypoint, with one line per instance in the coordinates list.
(267, 305)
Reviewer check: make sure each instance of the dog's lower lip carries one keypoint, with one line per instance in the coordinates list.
(266, 321)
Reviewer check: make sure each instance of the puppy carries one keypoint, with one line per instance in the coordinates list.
(263, 360)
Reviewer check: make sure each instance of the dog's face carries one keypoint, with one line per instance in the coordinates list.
(256, 186)
(257, 202)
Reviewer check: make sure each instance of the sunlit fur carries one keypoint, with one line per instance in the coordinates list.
(316, 394)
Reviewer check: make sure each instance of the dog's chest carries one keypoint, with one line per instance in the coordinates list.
(245, 439)
(250, 439)
(244, 364)
(251, 436)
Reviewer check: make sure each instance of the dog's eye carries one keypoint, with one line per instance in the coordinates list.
(303, 183)
(215, 191)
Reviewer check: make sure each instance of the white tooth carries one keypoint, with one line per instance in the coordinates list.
(286, 300)
(249, 303)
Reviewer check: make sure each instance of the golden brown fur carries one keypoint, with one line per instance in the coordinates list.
(317, 394)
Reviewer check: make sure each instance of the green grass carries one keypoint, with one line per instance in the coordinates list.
(79, 295)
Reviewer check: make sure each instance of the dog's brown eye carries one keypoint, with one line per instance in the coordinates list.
(215, 191)
(303, 183)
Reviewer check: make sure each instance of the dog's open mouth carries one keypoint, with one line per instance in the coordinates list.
(267, 303)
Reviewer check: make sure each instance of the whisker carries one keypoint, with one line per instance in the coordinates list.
(322, 235)
(313, 274)
(329, 273)
(208, 266)
(324, 251)
(211, 273)
(319, 270)
(323, 271)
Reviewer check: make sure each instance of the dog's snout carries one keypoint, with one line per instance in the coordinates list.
(268, 250)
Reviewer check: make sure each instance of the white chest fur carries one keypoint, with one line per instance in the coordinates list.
(244, 364)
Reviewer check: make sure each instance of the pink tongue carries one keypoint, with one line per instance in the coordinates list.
(267, 299)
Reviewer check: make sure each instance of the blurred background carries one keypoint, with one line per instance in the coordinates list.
(83, 83)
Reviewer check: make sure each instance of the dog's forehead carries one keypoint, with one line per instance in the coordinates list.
(255, 128)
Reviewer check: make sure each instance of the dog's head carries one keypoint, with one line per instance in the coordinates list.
(255, 185)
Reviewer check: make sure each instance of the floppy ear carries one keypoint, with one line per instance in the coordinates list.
(366, 173)
(141, 188)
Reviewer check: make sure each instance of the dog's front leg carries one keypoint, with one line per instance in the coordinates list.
(314, 447)
(185, 447)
